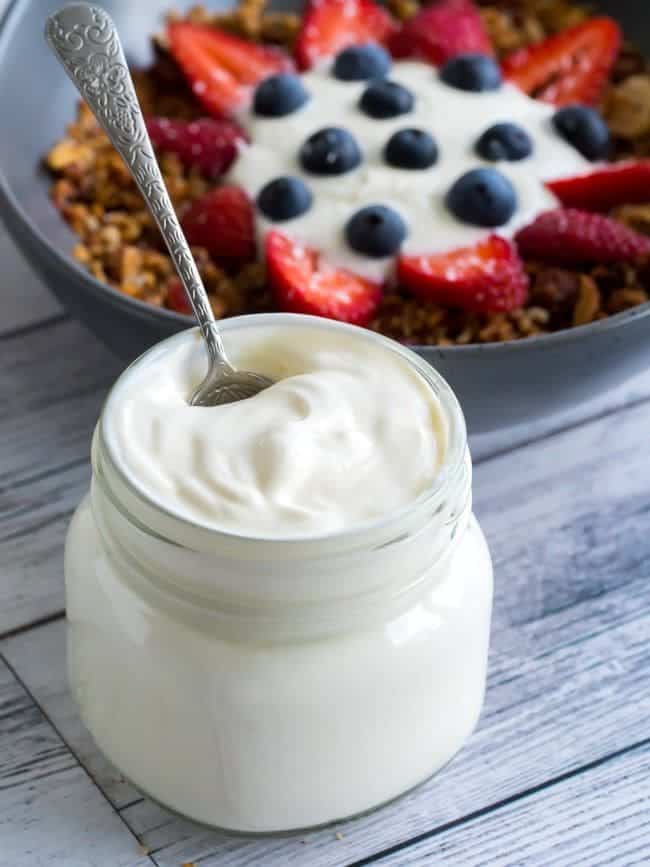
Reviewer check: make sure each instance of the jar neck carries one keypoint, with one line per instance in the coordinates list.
(301, 591)
(299, 586)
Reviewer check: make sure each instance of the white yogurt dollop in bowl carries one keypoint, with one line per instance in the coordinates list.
(455, 118)
(279, 610)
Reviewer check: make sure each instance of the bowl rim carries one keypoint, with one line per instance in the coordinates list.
(17, 219)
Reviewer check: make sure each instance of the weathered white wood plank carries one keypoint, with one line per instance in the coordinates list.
(29, 748)
(40, 654)
(599, 817)
(568, 517)
(33, 523)
(587, 665)
(31, 587)
(52, 382)
(24, 299)
(51, 388)
(50, 811)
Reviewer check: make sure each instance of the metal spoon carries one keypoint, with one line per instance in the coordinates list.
(85, 41)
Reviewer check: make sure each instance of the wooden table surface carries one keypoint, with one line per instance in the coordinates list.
(557, 772)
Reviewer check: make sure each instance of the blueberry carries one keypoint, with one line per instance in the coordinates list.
(362, 62)
(483, 197)
(585, 129)
(284, 198)
(472, 72)
(411, 149)
(279, 95)
(504, 141)
(330, 151)
(383, 99)
(375, 231)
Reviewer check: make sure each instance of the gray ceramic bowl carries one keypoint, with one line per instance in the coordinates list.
(498, 384)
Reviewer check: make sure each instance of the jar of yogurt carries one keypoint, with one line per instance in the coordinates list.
(279, 609)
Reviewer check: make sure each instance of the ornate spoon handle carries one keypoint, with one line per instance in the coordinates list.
(85, 40)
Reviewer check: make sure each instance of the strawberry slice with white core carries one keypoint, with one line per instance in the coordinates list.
(222, 69)
(486, 277)
(571, 66)
(329, 26)
(303, 283)
(605, 187)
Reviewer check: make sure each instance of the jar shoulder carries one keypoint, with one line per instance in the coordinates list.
(96, 591)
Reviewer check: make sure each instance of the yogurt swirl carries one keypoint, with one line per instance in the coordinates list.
(455, 118)
(348, 433)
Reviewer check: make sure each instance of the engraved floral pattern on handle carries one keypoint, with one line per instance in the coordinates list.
(84, 38)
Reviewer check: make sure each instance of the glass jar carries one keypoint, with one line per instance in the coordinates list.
(269, 685)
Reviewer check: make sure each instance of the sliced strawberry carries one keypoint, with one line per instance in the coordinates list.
(208, 144)
(222, 222)
(486, 277)
(569, 236)
(605, 187)
(222, 69)
(176, 297)
(571, 66)
(302, 283)
(441, 31)
(328, 26)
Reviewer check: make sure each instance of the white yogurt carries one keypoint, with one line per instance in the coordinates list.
(454, 117)
(265, 684)
(347, 433)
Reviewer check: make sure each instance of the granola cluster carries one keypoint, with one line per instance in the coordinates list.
(120, 245)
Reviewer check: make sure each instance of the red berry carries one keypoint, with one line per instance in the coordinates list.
(441, 31)
(222, 222)
(571, 66)
(486, 277)
(207, 144)
(302, 283)
(570, 236)
(605, 187)
(176, 297)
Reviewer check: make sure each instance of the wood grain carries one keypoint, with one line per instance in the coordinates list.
(587, 665)
(52, 382)
(40, 659)
(34, 519)
(24, 299)
(567, 518)
(51, 389)
(50, 811)
(598, 817)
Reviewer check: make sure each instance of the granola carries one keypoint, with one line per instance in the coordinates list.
(120, 245)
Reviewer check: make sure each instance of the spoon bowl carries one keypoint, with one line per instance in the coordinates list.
(228, 386)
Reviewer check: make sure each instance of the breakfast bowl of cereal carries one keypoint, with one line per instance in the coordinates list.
(471, 179)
